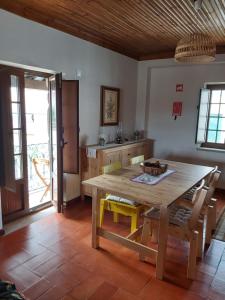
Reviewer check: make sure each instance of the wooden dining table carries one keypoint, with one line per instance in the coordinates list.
(160, 195)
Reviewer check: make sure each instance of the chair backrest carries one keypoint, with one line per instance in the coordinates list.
(39, 163)
(212, 184)
(197, 190)
(199, 198)
(137, 159)
(112, 167)
(210, 177)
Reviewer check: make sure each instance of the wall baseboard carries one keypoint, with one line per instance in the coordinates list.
(2, 232)
(72, 201)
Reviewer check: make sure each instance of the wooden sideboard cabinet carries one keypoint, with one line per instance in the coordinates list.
(92, 166)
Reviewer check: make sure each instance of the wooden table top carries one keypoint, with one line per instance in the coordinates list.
(163, 193)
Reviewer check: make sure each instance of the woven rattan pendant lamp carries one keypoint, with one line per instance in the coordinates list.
(195, 48)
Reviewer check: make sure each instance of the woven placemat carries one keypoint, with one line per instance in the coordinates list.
(150, 179)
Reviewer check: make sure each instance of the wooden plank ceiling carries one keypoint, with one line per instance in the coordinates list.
(141, 29)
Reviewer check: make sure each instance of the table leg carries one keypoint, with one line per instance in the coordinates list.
(95, 217)
(162, 242)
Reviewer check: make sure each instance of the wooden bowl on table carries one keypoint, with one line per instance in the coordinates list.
(153, 169)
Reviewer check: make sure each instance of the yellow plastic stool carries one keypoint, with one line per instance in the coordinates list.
(118, 205)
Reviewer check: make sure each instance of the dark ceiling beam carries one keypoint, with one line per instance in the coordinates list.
(170, 54)
(220, 49)
(158, 55)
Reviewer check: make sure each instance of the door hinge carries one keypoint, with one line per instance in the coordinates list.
(60, 83)
(47, 82)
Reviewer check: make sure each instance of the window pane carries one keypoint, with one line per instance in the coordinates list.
(213, 123)
(203, 111)
(214, 109)
(205, 96)
(203, 116)
(215, 96)
(223, 97)
(211, 136)
(201, 136)
(220, 137)
(222, 110)
(16, 115)
(221, 124)
(18, 167)
(202, 123)
(15, 97)
(17, 141)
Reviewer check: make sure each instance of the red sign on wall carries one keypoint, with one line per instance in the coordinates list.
(177, 108)
(179, 87)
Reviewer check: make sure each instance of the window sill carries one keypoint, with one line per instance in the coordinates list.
(210, 149)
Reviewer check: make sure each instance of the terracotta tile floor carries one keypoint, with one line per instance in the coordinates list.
(52, 259)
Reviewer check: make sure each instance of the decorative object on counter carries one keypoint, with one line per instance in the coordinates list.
(119, 134)
(142, 134)
(119, 140)
(102, 136)
(101, 141)
(137, 135)
(153, 169)
(110, 98)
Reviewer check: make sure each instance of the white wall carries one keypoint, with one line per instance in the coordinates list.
(32, 44)
(29, 43)
(175, 139)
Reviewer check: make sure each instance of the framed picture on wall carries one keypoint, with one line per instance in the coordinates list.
(110, 100)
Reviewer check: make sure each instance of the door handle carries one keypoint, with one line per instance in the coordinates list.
(63, 143)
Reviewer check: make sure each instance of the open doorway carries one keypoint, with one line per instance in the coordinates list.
(38, 140)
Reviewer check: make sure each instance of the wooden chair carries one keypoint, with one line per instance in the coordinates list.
(209, 209)
(38, 163)
(183, 224)
(211, 202)
(119, 205)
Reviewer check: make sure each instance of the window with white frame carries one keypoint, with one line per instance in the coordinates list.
(211, 117)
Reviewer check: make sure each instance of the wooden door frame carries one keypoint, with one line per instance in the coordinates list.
(59, 136)
(58, 78)
(78, 122)
(21, 73)
(24, 204)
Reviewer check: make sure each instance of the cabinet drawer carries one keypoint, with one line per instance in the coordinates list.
(127, 155)
(91, 167)
(111, 157)
(130, 153)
